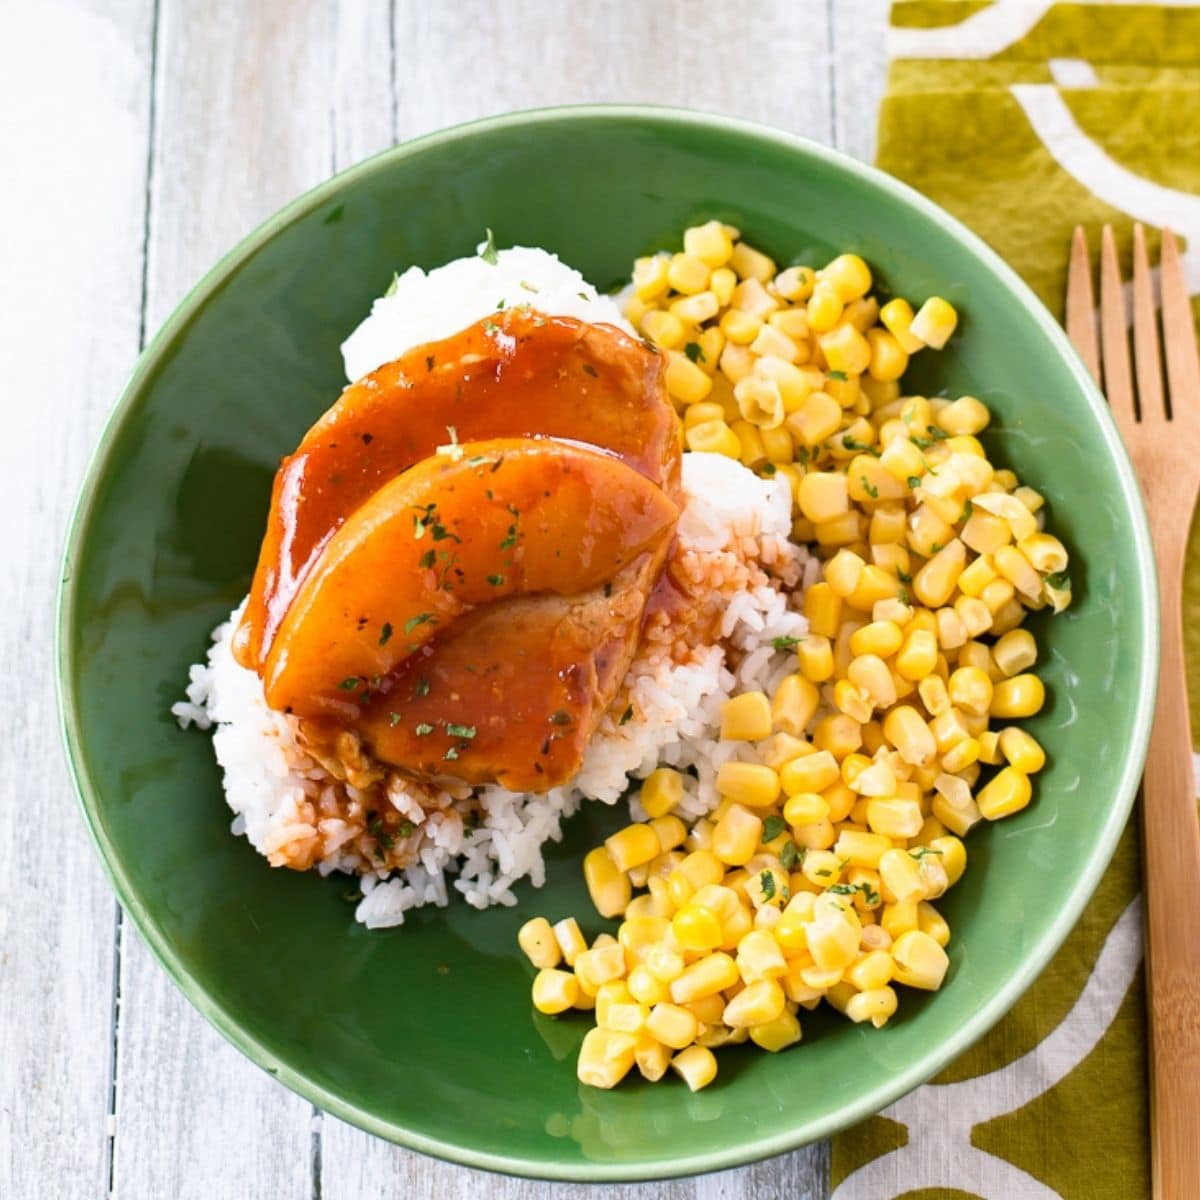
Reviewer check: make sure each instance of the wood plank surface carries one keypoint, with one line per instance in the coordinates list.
(186, 125)
(69, 333)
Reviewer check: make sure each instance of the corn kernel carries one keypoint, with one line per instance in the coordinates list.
(696, 1066)
(751, 784)
(760, 401)
(746, 717)
(809, 773)
(870, 674)
(1018, 696)
(737, 835)
(816, 418)
(920, 961)
(862, 849)
(672, 1025)
(794, 704)
(570, 939)
(815, 656)
(822, 606)
(1015, 652)
(715, 437)
(632, 846)
(751, 264)
(888, 358)
(934, 323)
(837, 734)
(758, 1002)
(705, 977)
(664, 962)
(911, 736)
(935, 582)
(536, 939)
(796, 283)
(824, 307)
(661, 791)
(970, 690)
(696, 928)
(607, 884)
(687, 274)
(845, 350)
(710, 243)
(894, 817)
(664, 329)
(1022, 751)
(900, 877)
(917, 656)
(605, 1057)
(685, 381)
(897, 317)
(650, 277)
(1007, 793)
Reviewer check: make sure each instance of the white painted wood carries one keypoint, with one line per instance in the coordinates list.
(859, 61)
(71, 281)
(768, 61)
(242, 124)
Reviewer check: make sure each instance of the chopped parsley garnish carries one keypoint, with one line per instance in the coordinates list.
(766, 880)
(852, 443)
(424, 729)
(937, 547)
(351, 684)
(385, 634)
(695, 352)
(968, 510)
(488, 253)
(393, 719)
(791, 855)
(500, 306)
(768, 468)
(423, 516)
(377, 831)
(406, 829)
(913, 481)
(422, 688)
(461, 731)
(1059, 580)
(903, 576)
(451, 754)
(496, 580)
(588, 369)
(626, 716)
(848, 889)
(825, 874)
(903, 596)
(869, 487)
(785, 643)
(773, 826)
(923, 852)
(428, 558)
(838, 375)
(419, 619)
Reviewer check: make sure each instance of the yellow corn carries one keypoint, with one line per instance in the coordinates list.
(824, 307)
(661, 792)
(607, 883)
(1015, 652)
(888, 358)
(897, 317)
(710, 243)
(796, 283)
(777, 1034)
(632, 846)
(686, 382)
(536, 939)
(935, 321)
(696, 928)
(737, 835)
(862, 849)
(810, 773)
(876, 1006)
(752, 784)
(664, 329)
(1008, 793)
(758, 1002)
(815, 656)
(705, 977)
(816, 418)
(751, 264)
(911, 736)
(1022, 751)
(714, 437)
(930, 921)
(920, 961)
(605, 1057)
(794, 704)
(570, 940)
(935, 582)
(650, 277)
(881, 638)
(900, 876)
(696, 1066)
(746, 717)
(687, 274)
(1018, 696)
(672, 1025)
(894, 816)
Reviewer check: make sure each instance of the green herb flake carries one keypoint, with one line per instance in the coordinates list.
(838, 375)
(385, 634)
(419, 619)
(1060, 581)
(351, 684)
(488, 253)
(461, 731)
(768, 469)
(923, 852)
(405, 829)
(903, 576)
(500, 305)
(913, 481)
(824, 874)
(427, 559)
(785, 643)
(377, 831)
(393, 719)
(424, 729)
(588, 369)
(773, 826)
(869, 487)
(791, 855)
(451, 755)
(766, 881)
(496, 580)
(695, 352)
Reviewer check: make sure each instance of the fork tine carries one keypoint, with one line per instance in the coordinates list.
(1179, 331)
(1114, 335)
(1081, 306)
(1147, 357)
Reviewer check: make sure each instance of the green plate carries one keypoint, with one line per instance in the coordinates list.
(425, 1034)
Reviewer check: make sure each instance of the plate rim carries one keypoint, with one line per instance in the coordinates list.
(869, 1102)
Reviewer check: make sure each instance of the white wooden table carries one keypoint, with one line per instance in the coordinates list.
(139, 139)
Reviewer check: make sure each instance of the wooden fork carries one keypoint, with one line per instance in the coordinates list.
(1161, 430)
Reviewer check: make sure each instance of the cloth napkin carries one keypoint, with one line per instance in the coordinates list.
(1024, 118)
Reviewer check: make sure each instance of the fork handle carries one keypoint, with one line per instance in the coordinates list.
(1171, 848)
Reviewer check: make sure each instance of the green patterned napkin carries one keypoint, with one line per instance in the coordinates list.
(1024, 118)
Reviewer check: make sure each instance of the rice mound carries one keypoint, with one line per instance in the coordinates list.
(732, 559)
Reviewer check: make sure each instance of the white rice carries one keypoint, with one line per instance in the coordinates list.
(283, 798)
